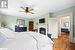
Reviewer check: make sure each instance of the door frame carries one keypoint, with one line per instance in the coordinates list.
(71, 23)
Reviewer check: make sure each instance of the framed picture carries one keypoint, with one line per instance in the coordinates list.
(66, 24)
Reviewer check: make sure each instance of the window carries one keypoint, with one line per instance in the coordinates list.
(21, 22)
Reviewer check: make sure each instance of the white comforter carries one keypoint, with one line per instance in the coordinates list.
(26, 41)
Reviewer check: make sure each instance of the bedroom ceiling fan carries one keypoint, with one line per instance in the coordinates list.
(27, 9)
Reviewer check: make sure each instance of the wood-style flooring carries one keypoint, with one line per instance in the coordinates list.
(63, 43)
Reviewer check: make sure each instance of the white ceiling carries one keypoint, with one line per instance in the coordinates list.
(40, 7)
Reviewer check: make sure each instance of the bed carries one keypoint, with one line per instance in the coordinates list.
(24, 40)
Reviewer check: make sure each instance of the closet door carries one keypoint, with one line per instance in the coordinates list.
(53, 27)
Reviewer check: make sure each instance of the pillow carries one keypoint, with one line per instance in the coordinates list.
(8, 33)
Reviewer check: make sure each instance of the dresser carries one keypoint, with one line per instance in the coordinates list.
(20, 29)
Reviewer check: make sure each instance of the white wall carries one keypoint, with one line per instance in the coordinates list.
(46, 25)
(47, 17)
(37, 25)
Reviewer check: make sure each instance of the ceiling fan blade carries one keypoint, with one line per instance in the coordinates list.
(22, 8)
(31, 12)
(21, 11)
(31, 9)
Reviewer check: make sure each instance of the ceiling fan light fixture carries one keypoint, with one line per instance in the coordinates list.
(27, 10)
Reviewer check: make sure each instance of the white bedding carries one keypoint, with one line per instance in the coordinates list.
(8, 33)
(26, 41)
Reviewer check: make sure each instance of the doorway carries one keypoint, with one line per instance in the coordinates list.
(31, 25)
(65, 24)
(64, 33)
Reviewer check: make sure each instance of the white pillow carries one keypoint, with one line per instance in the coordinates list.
(8, 33)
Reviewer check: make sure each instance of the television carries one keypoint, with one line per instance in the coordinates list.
(42, 20)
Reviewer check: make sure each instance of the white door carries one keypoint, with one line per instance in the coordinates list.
(53, 27)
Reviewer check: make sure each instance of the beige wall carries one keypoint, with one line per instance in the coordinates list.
(11, 21)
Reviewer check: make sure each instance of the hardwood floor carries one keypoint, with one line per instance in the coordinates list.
(63, 43)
